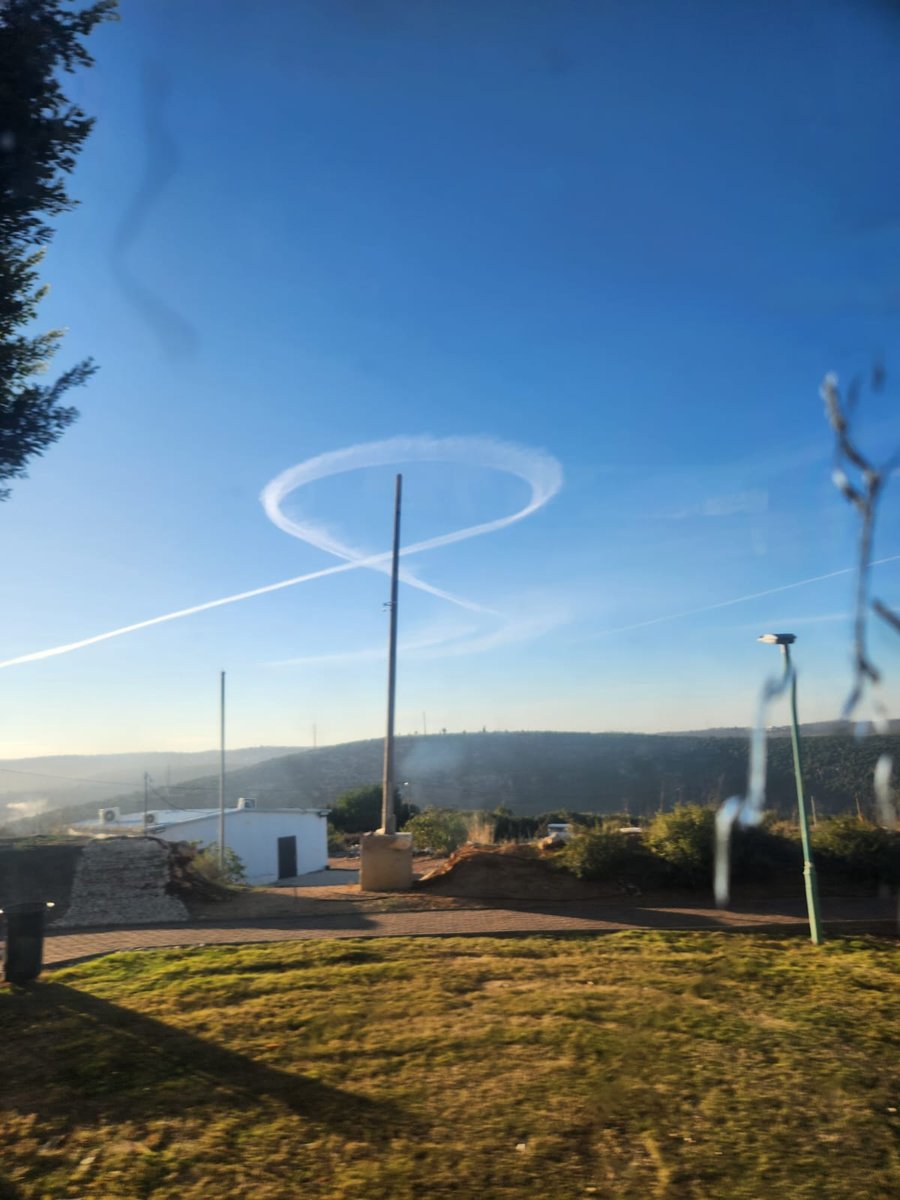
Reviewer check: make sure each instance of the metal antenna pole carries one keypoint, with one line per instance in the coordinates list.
(388, 821)
(222, 769)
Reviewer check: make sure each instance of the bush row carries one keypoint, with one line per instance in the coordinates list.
(677, 849)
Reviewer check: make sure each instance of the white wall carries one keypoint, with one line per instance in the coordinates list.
(253, 836)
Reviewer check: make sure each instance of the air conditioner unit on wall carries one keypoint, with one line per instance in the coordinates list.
(109, 816)
(246, 803)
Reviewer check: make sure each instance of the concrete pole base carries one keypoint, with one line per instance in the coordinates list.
(385, 862)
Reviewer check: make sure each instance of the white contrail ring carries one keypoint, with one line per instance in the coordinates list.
(540, 471)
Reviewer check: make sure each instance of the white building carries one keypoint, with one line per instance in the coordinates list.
(272, 844)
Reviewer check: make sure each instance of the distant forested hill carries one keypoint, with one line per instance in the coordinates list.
(532, 773)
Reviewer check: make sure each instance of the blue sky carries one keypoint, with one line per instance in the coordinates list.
(629, 238)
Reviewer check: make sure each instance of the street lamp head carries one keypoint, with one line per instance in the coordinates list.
(778, 639)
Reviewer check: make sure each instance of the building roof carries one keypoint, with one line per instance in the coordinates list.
(133, 822)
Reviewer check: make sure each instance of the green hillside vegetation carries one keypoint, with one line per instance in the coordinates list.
(629, 1066)
(532, 773)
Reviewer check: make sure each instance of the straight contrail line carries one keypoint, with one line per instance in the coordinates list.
(181, 612)
(375, 560)
(693, 612)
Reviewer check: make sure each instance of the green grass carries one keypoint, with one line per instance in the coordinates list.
(644, 1065)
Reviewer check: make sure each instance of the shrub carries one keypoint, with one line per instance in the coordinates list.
(337, 840)
(480, 828)
(612, 822)
(685, 841)
(608, 854)
(439, 830)
(206, 863)
(565, 816)
(508, 828)
(857, 850)
(760, 852)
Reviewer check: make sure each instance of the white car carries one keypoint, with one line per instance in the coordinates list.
(558, 833)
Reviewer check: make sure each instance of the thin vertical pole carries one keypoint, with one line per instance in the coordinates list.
(146, 790)
(388, 820)
(424, 724)
(222, 769)
(809, 870)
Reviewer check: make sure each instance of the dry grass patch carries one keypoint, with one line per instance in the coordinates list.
(635, 1065)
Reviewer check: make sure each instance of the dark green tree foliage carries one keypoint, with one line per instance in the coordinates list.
(41, 133)
(359, 810)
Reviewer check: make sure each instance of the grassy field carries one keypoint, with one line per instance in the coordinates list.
(644, 1065)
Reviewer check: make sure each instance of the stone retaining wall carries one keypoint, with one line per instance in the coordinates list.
(123, 881)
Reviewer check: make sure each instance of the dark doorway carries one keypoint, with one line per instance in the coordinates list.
(287, 857)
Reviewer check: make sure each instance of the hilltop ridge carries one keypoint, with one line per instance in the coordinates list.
(535, 772)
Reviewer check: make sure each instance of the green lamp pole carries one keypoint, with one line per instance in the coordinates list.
(785, 640)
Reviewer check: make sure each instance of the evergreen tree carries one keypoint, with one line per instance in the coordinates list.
(359, 810)
(41, 133)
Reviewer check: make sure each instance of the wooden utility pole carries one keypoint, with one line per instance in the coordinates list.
(222, 769)
(388, 820)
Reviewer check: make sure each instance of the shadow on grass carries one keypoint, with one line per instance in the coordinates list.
(688, 911)
(73, 1053)
(8, 1191)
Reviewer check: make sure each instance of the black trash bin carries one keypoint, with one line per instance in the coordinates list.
(23, 954)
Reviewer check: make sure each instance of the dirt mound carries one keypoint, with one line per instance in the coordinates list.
(509, 872)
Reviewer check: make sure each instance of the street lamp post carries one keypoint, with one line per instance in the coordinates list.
(785, 641)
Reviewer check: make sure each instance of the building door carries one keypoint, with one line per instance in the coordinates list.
(287, 857)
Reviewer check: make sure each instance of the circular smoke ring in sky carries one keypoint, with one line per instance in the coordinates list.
(540, 471)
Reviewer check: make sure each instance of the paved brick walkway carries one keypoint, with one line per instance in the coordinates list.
(845, 914)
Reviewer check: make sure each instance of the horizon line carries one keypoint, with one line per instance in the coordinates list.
(737, 730)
